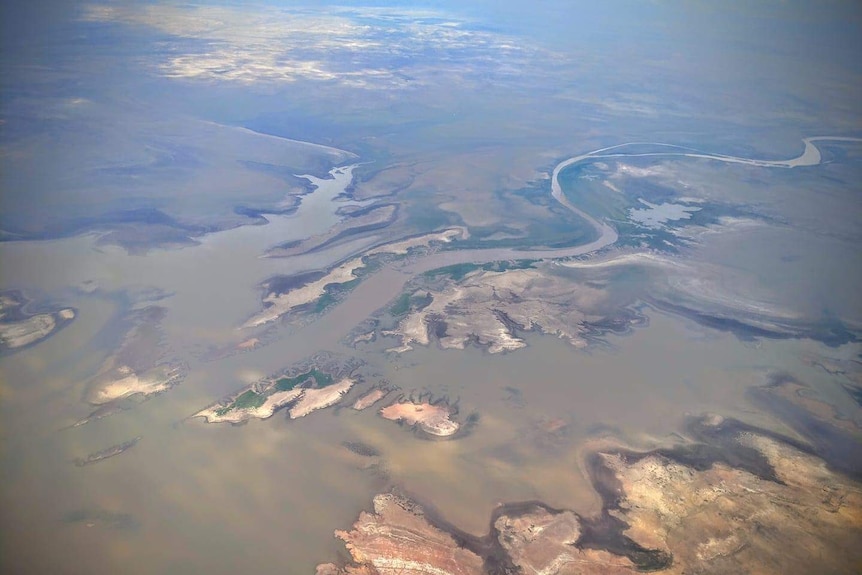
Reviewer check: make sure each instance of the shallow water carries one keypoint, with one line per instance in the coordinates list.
(268, 494)
(265, 497)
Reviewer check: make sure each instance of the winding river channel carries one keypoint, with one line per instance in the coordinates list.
(385, 285)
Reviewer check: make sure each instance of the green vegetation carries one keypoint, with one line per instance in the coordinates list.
(408, 301)
(401, 305)
(323, 302)
(287, 383)
(332, 290)
(347, 286)
(248, 400)
(509, 265)
(457, 272)
(424, 214)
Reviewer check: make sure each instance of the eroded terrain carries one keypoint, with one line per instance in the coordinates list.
(733, 498)
(314, 292)
(433, 418)
(493, 305)
(317, 383)
(640, 205)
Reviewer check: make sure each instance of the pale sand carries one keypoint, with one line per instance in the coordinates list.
(283, 303)
(314, 399)
(433, 419)
(369, 399)
(249, 343)
(364, 337)
(130, 383)
(25, 332)
(267, 410)
(66, 313)
(402, 247)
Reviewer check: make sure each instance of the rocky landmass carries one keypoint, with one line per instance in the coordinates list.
(398, 538)
(97, 517)
(369, 399)
(734, 499)
(424, 241)
(491, 306)
(279, 304)
(251, 403)
(245, 343)
(314, 292)
(432, 418)
(314, 399)
(834, 431)
(19, 329)
(360, 448)
(316, 383)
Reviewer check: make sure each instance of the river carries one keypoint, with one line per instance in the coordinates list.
(265, 497)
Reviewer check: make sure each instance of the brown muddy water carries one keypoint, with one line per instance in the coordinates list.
(265, 497)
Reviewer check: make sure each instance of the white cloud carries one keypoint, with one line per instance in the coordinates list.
(370, 48)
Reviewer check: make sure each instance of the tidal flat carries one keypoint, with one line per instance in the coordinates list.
(245, 497)
(232, 481)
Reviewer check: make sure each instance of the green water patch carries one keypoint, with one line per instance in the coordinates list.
(332, 293)
(321, 379)
(408, 301)
(246, 400)
(425, 215)
(326, 300)
(457, 272)
(401, 305)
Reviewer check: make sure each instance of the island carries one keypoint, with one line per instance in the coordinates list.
(493, 305)
(313, 384)
(140, 367)
(20, 329)
(434, 419)
(107, 453)
(312, 293)
(369, 399)
(733, 499)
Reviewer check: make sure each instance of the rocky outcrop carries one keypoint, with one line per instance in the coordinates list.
(315, 383)
(736, 500)
(397, 538)
(434, 419)
(369, 399)
(314, 399)
(490, 308)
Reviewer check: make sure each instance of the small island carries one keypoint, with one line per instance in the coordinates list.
(312, 385)
(19, 329)
(107, 453)
(314, 293)
(370, 398)
(140, 367)
(434, 419)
